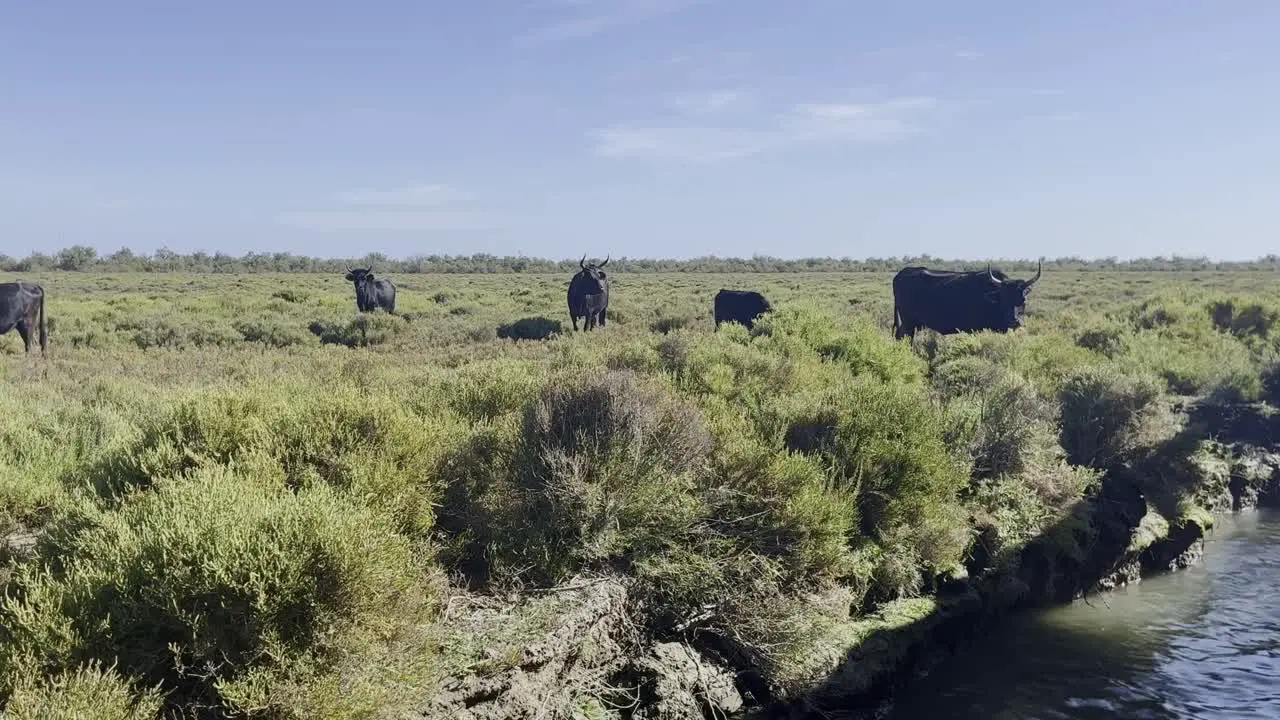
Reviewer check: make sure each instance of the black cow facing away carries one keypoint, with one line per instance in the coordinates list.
(589, 294)
(371, 292)
(742, 306)
(22, 307)
(953, 302)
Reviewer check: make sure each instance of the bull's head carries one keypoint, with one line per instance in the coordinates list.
(363, 279)
(1009, 297)
(594, 273)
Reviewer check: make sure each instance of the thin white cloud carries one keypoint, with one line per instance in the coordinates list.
(415, 207)
(705, 103)
(680, 144)
(413, 195)
(1063, 116)
(869, 122)
(814, 122)
(968, 54)
(584, 18)
(381, 220)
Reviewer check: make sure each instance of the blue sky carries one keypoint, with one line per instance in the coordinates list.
(643, 128)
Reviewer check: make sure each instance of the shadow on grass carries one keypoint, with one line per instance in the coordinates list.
(530, 328)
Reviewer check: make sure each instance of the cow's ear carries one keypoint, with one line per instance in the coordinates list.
(351, 278)
(603, 274)
(369, 277)
(1026, 291)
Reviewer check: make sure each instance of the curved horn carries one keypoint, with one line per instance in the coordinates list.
(991, 277)
(1039, 270)
(606, 261)
(583, 262)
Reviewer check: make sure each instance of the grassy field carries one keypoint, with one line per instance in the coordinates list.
(232, 492)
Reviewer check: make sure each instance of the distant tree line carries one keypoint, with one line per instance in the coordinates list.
(81, 258)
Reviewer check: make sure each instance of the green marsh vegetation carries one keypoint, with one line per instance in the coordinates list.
(229, 494)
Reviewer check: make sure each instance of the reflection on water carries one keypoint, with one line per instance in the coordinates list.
(1201, 643)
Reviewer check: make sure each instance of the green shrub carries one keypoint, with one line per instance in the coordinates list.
(369, 446)
(1107, 340)
(780, 505)
(665, 325)
(612, 463)
(1046, 359)
(1190, 365)
(1243, 319)
(272, 334)
(170, 334)
(966, 375)
(211, 585)
(1103, 412)
(290, 296)
(673, 353)
(887, 448)
(88, 691)
(1270, 380)
(1015, 423)
(361, 331)
(864, 349)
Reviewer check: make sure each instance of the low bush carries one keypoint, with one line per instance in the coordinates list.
(611, 466)
(221, 590)
(667, 324)
(371, 447)
(88, 691)
(290, 296)
(164, 333)
(887, 448)
(1103, 414)
(272, 334)
(362, 331)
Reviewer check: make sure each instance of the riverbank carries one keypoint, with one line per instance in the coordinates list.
(1131, 540)
(1199, 643)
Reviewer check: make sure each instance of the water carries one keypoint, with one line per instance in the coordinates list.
(1200, 643)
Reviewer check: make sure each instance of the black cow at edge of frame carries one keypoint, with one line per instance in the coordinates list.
(589, 294)
(372, 292)
(953, 302)
(22, 307)
(741, 306)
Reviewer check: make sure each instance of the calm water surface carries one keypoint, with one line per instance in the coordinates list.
(1201, 643)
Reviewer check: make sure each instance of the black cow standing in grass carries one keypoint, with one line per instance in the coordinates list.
(372, 293)
(952, 302)
(742, 306)
(589, 294)
(22, 307)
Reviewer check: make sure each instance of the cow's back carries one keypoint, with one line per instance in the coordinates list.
(15, 302)
(738, 305)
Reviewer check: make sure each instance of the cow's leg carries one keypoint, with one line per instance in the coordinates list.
(25, 331)
(901, 328)
(602, 318)
(574, 319)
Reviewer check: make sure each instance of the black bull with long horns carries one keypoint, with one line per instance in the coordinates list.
(589, 294)
(372, 292)
(952, 302)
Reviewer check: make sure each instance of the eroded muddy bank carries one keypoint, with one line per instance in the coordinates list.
(1132, 540)
(590, 662)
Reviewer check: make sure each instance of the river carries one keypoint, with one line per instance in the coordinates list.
(1201, 643)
